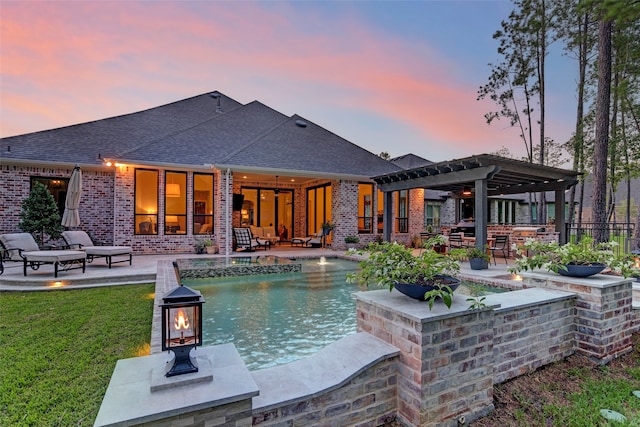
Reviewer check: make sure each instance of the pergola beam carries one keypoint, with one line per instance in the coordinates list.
(449, 178)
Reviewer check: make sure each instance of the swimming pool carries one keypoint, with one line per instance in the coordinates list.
(274, 319)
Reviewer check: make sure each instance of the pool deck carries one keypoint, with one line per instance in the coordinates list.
(144, 270)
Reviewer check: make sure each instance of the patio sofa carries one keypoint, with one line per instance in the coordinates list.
(266, 233)
(22, 247)
(78, 239)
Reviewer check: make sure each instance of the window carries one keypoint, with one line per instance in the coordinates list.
(175, 203)
(264, 207)
(202, 203)
(365, 208)
(318, 208)
(505, 212)
(431, 214)
(146, 201)
(402, 211)
(56, 186)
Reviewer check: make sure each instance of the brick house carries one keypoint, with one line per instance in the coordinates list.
(160, 179)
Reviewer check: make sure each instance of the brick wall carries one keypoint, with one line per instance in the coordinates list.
(450, 359)
(528, 336)
(96, 203)
(604, 316)
(369, 399)
(445, 366)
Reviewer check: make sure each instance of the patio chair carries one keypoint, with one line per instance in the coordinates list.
(22, 247)
(78, 239)
(500, 244)
(455, 241)
(246, 241)
(316, 241)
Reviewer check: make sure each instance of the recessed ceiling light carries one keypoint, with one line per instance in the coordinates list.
(245, 177)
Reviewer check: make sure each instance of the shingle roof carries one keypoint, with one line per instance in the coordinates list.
(191, 132)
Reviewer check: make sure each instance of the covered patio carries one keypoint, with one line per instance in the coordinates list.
(488, 175)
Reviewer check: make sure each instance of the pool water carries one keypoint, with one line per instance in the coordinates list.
(274, 319)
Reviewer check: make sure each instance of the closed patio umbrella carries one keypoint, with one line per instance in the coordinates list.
(71, 217)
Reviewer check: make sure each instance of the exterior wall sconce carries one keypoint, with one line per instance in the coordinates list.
(182, 328)
(466, 191)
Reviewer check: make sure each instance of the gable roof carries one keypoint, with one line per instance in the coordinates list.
(410, 161)
(208, 129)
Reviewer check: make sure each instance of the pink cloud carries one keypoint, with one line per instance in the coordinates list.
(64, 63)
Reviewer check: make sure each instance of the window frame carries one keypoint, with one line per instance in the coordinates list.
(196, 217)
(402, 204)
(149, 215)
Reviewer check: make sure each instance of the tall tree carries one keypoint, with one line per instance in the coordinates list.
(601, 231)
(523, 45)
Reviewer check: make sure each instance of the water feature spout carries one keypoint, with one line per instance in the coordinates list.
(323, 261)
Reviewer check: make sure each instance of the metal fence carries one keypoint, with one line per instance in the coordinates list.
(617, 231)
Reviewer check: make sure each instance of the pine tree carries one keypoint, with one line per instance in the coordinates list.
(40, 214)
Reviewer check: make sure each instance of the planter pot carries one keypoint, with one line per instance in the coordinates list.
(478, 264)
(351, 245)
(441, 249)
(417, 291)
(575, 270)
(212, 249)
(200, 250)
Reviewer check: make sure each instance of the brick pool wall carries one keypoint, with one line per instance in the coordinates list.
(369, 399)
(527, 337)
(604, 317)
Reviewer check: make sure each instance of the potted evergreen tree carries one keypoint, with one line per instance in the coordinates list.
(40, 215)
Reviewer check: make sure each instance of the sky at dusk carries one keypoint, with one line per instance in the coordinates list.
(392, 76)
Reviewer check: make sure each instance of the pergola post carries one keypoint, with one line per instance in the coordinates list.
(387, 215)
(481, 209)
(560, 220)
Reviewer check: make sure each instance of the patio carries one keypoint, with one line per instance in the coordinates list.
(144, 269)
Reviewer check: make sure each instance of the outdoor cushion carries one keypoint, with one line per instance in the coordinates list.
(53, 256)
(81, 240)
(14, 241)
(77, 238)
(58, 258)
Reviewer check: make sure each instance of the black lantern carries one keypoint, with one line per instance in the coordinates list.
(182, 327)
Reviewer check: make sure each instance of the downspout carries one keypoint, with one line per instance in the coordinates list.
(228, 197)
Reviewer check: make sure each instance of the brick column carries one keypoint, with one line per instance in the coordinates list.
(603, 311)
(446, 368)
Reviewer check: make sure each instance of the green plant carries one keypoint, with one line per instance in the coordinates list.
(40, 214)
(444, 292)
(327, 225)
(351, 239)
(553, 257)
(388, 263)
(477, 302)
(474, 252)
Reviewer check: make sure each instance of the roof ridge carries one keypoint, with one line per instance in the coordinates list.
(215, 116)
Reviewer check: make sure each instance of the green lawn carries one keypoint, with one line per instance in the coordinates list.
(58, 350)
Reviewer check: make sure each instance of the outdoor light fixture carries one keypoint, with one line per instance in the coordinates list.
(277, 190)
(466, 191)
(182, 327)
